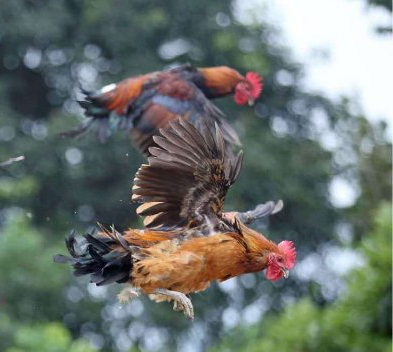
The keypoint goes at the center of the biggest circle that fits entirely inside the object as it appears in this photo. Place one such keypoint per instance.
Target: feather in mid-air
(143, 104)
(188, 241)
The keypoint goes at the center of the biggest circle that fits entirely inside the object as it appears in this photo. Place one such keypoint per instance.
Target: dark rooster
(188, 241)
(143, 104)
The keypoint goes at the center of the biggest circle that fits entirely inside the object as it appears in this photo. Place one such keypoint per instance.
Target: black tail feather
(99, 119)
(99, 244)
(70, 243)
(95, 256)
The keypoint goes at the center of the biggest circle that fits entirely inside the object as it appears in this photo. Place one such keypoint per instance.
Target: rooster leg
(127, 294)
(181, 301)
(260, 211)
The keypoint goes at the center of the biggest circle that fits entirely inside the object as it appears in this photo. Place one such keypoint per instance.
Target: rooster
(143, 104)
(188, 241)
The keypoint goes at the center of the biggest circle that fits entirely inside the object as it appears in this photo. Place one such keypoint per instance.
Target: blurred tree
(387, 5)
(30, 291)
(48, 48)
(51, 337)
(360, 320)
(363, 158)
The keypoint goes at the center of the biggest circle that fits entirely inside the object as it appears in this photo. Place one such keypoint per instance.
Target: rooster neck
(217, 81)
(258, 250)
(256, 242)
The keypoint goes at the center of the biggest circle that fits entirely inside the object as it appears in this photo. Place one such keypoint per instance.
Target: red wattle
(273, 272)
(240, 97)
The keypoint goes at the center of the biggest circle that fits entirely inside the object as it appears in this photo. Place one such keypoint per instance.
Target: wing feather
(187, 177)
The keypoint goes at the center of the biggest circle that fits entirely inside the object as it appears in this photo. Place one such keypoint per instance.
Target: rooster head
(280, 262)
(248, 89)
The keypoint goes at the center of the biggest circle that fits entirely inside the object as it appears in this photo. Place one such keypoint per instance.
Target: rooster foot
(127, 294)
(181, 301)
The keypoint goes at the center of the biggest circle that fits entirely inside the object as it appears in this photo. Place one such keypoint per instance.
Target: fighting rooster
(142, 105)
(188, 241)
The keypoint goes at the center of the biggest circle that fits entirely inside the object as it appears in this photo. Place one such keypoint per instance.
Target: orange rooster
(188, 241)
(142, 105)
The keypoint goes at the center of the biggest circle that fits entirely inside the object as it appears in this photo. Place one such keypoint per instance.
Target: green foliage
(369, 298)
(51, 337)
(369, 164)
(360, 320)
(31, 288)
(26, 261)
(17, 189)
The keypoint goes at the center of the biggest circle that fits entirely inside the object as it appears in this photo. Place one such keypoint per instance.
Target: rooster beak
(250, 101)
(285, 273)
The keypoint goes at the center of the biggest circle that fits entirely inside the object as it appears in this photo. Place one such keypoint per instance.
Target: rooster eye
(279, 259)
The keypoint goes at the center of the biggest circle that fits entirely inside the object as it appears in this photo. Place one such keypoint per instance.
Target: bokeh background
(326, 156)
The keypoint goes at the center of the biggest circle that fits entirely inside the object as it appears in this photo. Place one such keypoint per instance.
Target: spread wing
(144, 104)
(186, 179)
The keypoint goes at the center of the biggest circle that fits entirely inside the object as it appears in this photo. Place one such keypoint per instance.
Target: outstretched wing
(186, 178)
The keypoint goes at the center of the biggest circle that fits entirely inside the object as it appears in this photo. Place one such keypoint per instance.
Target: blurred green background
(338, 297)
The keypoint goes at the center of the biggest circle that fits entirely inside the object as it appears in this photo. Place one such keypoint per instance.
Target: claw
(177, 307)
(184, 304)
(181, 301)
(127, 294)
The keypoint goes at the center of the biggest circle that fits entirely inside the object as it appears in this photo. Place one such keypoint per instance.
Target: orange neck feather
(222, 80)
(256, 242)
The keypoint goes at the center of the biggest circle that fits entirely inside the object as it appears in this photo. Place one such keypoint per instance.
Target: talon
(127, 294)
(181, 302)
(177, 307)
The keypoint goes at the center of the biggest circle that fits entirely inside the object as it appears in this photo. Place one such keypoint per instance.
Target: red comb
(289, 251)
(256, 82)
